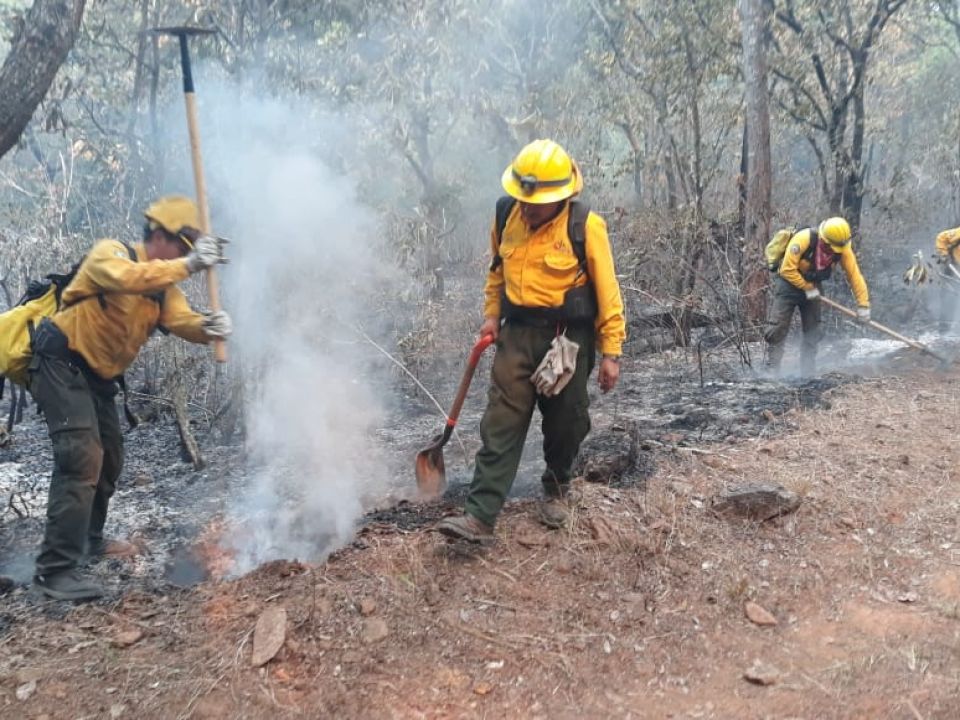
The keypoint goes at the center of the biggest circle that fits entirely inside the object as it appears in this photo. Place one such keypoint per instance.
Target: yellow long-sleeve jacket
(539, 266)
(794, 266)
(945, 240)
(109, 334)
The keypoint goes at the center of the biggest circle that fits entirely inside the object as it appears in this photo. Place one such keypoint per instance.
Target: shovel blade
(430, 470)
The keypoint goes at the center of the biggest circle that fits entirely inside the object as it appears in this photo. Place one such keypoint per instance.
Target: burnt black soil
(163, 503)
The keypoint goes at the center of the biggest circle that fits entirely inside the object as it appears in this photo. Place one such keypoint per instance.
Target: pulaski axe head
(182, 33)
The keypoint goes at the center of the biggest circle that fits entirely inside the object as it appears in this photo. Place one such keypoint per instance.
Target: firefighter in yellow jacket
(538, 288)
(947, 250)
(808, 260)
(119, 296)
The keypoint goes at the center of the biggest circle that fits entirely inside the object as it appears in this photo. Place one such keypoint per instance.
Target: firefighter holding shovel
(551, 297)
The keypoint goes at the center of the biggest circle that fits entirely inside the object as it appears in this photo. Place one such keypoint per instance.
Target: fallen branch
(189, 443)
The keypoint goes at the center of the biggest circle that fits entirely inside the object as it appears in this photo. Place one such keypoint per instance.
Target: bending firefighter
(551, 297)
(119, 296)
(807, 261)
(948, 257)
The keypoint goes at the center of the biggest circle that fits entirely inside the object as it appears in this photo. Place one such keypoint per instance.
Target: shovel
(884, 329)
(431, 474)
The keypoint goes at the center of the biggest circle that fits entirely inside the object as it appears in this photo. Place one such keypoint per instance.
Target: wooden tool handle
(883, 328)
(213, 284)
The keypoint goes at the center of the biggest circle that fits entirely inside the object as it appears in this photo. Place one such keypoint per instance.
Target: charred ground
(637, 611)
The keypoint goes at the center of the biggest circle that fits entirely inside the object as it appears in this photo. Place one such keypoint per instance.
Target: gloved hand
(941, 259)
(863, 314)
(217, 325)
(812, 293)
(207, 252)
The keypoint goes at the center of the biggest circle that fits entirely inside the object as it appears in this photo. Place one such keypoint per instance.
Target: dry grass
(635, 611)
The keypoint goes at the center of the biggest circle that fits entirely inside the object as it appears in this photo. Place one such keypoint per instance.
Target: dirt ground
(637, 611)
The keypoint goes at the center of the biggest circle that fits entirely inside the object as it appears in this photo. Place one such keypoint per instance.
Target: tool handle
(213, 284)
(882, 328)
(482, 344)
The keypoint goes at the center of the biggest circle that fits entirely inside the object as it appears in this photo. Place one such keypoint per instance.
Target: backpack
(42, 299)
(777, 247)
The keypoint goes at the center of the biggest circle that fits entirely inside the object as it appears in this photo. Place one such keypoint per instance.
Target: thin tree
(755, 27)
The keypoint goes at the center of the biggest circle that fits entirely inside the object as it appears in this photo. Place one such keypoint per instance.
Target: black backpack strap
(577, 231)
(504, 208)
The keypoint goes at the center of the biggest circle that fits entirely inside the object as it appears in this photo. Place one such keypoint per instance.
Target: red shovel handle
(482, 344)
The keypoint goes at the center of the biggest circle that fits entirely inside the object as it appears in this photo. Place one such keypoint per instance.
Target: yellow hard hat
(836, 232)
(173, 213)
(542, 173)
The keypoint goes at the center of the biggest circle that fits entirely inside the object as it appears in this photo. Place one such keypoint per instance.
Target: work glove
(863, 314)
(812, 294)
(207, 252)
(557, 367)
(217, 325)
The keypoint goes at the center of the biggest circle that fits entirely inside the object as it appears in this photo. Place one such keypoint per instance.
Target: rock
(268, 635)
(25, 691)
(761, 673)
(6, 584)
(759, 615)
(757, 502)
(374, 630)
(614, 457)
(367, 606)
(142, 479)
(117, 711)
(482, 688)
(126, 638)
(768, 416)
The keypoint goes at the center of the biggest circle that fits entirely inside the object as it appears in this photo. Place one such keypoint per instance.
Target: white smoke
(303, 272)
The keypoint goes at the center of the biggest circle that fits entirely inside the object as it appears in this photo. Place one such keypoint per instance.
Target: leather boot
(67, 585)
(466, 527)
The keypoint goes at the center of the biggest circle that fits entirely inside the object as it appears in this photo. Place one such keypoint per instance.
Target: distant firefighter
(808, 257)
(947, 251)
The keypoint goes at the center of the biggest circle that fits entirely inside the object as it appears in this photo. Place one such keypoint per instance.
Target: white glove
(217, 325)
(863, 314)
(557, 367)
(207, 252)
(812, 294)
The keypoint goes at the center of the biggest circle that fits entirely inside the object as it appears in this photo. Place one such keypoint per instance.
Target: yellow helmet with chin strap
(835, 232)
(174, 213)
(541, 173)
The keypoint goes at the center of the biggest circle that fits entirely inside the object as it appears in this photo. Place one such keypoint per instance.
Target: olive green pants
(87, 442)
(785, 298)
(512, 397)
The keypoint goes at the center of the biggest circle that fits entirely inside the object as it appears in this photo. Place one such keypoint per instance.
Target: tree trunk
(754, 24)
(36, 54)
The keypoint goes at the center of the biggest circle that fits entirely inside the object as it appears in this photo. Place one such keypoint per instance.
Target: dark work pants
(84, 428)
(512, 397)
(785, 298)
